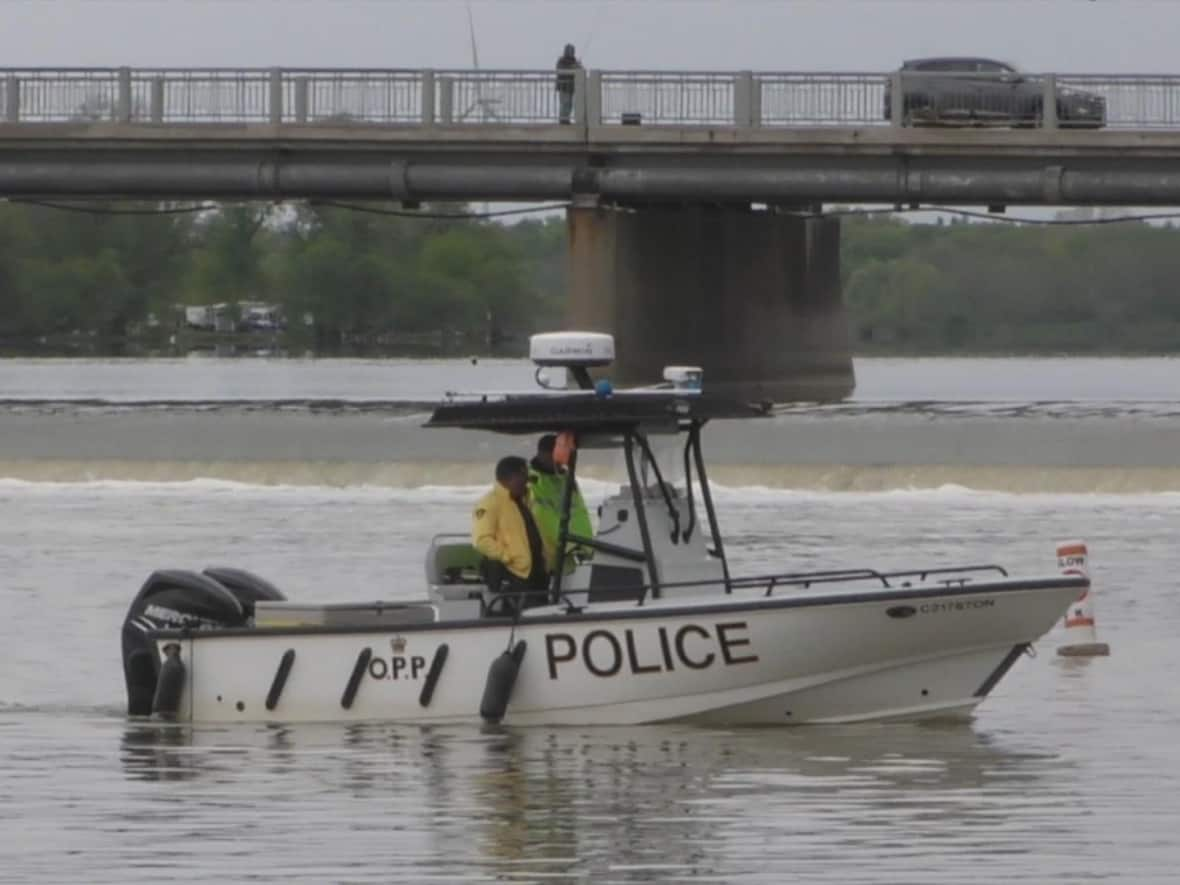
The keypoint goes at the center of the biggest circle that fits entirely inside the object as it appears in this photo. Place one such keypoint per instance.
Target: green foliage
(226, 263)
(63, 271)
(998, 288)
(364, 276)
(468, 275)
(342, 291)
(342, 277)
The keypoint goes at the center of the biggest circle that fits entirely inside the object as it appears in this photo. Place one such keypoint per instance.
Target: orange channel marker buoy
(1080, 634)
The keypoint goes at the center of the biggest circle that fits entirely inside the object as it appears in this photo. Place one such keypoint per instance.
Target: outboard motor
(175, 599)
(247, 587)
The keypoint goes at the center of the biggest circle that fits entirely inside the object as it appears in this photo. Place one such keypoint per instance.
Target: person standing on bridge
(567, 64)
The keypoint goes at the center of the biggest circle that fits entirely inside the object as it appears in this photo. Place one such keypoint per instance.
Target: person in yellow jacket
(504, 531)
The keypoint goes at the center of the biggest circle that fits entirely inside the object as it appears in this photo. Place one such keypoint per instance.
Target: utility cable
(552, 207)
(1008, 219)
(211, 207)
(413, 213)
(107, 210)
(1116, 219)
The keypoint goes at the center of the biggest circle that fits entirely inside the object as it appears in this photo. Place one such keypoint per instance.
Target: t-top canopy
(584, 411)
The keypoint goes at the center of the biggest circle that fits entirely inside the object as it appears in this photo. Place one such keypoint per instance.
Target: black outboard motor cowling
(175, 599)
(247, 587)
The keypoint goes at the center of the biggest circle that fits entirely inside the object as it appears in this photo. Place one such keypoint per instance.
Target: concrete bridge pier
(752, 297)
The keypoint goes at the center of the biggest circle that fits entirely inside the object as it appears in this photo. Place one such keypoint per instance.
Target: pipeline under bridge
(621, 164)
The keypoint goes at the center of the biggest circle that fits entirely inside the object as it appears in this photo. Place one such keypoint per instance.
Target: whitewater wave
(439, 480)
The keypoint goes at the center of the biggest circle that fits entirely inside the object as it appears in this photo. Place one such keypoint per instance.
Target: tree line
(1004, 288)
(347, 278)
(343, 278)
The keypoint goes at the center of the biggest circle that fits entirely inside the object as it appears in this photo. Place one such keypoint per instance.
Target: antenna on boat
(575, 352)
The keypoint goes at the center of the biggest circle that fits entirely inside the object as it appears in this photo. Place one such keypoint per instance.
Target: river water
(319, 476)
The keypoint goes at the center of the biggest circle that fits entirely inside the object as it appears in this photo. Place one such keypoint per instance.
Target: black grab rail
(804, 580)
(947, 570)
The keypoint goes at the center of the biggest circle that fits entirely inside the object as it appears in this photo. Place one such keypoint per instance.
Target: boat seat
(613, 583)
(451, 559)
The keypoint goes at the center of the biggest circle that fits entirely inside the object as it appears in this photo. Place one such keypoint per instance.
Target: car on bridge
(968, 91)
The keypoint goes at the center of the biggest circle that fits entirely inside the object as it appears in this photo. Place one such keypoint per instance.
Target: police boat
(646, 623)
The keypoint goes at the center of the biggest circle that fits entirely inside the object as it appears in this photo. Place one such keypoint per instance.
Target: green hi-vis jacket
(545, 494)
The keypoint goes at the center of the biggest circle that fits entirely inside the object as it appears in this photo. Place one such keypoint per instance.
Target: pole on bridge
(581, 104)
(743, 100)
(896, 100)
(1049, 102)
(594, 98)
(428, 98)
(156, 100)
(123, 96)
(12, 99)
(275, 97)
(302, 93)
(446, 99)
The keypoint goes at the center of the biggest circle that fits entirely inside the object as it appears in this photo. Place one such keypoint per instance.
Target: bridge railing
(742, 99)
(1132, 101)
(41, 95)
(352, 96)
(698, 98)
(201, 96)
(820, 99)
(495, 97)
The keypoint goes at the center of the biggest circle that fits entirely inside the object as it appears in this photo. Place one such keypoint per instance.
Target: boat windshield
(663, 456)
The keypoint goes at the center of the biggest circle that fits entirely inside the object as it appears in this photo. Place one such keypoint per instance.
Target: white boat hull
(931, 651)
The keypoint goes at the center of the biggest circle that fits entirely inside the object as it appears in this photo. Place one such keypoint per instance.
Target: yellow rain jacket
(498, 532)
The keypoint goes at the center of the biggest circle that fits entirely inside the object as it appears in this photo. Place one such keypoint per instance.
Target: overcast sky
(1101, 36)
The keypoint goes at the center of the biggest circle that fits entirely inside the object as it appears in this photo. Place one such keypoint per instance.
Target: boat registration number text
(654, 650)
(959, 605)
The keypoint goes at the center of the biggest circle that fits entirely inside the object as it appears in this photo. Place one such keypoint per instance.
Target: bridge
(685, 239)
(641, 136)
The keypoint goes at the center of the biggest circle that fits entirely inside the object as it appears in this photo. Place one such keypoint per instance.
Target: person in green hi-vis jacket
(546, 488)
